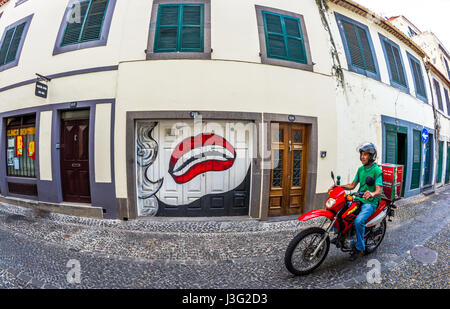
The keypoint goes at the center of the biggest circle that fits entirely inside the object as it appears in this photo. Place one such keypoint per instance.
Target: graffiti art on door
(180, 173)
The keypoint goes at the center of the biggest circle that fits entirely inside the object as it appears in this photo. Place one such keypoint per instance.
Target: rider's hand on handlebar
(368, 195)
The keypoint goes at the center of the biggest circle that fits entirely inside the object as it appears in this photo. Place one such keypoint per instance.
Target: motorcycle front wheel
(299, 259)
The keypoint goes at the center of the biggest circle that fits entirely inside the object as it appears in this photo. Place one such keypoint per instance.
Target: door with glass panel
(289, 166)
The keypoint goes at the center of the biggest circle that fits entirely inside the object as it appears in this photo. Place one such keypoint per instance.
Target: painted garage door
(187, 169)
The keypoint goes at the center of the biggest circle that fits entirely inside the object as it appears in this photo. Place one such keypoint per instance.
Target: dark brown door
(288, 175)
(75, 160)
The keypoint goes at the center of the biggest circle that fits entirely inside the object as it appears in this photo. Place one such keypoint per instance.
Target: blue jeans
(360, 225)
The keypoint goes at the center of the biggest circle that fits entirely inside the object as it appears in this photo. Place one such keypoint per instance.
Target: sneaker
(356, 255)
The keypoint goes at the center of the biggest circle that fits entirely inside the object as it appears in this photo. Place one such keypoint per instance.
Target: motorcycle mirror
(370, 181)
(332, 176)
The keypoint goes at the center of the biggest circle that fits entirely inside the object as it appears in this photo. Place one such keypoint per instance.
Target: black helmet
(371, 149)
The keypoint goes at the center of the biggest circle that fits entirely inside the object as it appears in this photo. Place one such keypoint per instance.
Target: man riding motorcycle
(372, 194)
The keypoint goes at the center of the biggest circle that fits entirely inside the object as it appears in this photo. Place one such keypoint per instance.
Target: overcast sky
(431, 15)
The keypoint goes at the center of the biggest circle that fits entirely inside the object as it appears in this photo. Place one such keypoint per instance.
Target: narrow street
(42, 252)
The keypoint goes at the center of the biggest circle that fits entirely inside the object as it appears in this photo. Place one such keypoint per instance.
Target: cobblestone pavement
(35, 250)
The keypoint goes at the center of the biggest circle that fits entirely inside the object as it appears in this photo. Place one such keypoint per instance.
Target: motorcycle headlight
(330, 202)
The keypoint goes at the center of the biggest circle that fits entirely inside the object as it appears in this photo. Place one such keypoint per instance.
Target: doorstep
(70, 209)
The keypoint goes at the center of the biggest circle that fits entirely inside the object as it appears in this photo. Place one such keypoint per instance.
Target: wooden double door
(289, 169)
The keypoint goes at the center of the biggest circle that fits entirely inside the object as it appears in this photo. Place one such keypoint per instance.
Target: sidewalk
(204, 225)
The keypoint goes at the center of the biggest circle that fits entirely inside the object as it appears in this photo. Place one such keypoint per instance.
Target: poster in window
(11, 143)
(19, 146)
(31, 150)
(10, 157)
(16, 163)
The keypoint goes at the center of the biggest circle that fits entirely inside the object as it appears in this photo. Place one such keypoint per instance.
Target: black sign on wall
(41, 90)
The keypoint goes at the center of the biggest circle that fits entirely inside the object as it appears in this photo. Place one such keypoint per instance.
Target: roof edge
(383, 23)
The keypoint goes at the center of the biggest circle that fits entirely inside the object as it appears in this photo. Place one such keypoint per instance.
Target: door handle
(75, 137)
(76, 165)
(290, 146)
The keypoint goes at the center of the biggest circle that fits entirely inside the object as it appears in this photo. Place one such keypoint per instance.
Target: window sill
(178, 55)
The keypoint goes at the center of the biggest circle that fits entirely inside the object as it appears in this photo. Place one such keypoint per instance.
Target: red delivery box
(392, 181)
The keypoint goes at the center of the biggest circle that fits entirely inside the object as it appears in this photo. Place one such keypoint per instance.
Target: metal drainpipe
(437, 127)
(336, 62)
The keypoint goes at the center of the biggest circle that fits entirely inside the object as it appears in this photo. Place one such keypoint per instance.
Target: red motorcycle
(308, 249)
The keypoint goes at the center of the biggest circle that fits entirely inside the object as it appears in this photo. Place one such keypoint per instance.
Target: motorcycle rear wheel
(298, 258)
(375, 237)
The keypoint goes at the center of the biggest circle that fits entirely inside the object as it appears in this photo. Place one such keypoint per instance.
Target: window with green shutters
(419, 83)
(358, 47)
(180, 28)
(10, 44)
(447, 170)
(440, 161)
(12, 41)
(416, 161)
(394, 64)
(284, 38)
(85, 22)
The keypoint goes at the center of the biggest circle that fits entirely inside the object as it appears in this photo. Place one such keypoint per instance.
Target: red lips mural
(202, 153)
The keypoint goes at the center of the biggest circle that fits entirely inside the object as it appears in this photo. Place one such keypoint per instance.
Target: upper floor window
(283, 38)
(447, 67)
(417, 74)
(180, 29)
(12, 43)
(394, 63)
(358, 47)
(447, 100)
(85, 24)
(437, 89)
(411, 32)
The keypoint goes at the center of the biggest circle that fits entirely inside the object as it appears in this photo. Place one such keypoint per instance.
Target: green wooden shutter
(15, 43)
(416, 162)
(5, 45)
(353, 45)
(391, 144)
(192, 28)
(294, 39)
(73, 28)
(447, 170)
(366, 51)
(437, 89)
(398, 63)
(275, 39)
(167, 34)
(440, 159)
(447, 100)
(418, 77)
(427, 172)
(93, 26)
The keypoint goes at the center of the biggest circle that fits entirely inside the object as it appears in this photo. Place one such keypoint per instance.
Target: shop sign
(41, 90)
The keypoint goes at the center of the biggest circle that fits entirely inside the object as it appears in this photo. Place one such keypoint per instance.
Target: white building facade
(205, 107)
